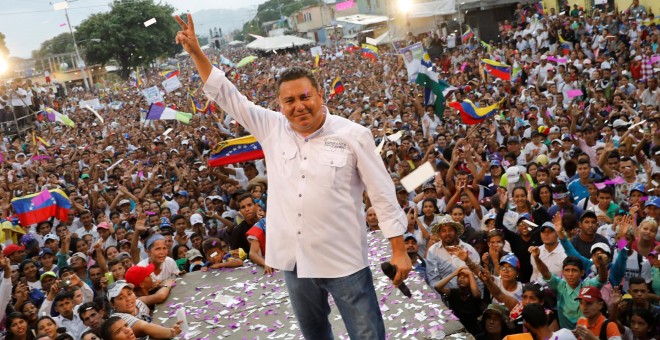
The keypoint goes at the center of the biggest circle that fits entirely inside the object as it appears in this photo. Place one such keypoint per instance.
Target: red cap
(12, 248)
(589, 294)
(103, 225)
(136, 274)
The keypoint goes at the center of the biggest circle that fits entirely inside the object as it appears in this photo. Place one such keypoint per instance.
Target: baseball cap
(182, 193)
(555, 129)
(78, 255)
(122, 202)
(49, 237)
(45, 251)
(588, 213)
(638, 187)
(513, 139)
(11, 249)
(513, 174)
(196, 218)
(589, 294)
(46, 274)
(193, 254)
(116, 288)
(103, 225)
(123, 255)
(136, 274)
(495, 162)
(407, 236)
(400, 188)
(511, 260)
(202, 168)
(566, 136)
(558, 141)
(619, 123)
(653, 200)
(548, 225)
(428, 186)
(602, 246)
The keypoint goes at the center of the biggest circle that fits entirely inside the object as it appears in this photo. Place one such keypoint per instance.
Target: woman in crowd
(17, 327)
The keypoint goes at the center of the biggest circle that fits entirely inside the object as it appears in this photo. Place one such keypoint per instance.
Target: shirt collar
(326, 113)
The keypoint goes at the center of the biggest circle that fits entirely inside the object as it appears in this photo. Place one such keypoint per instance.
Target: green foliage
(61, 43)
(3, 45)
(124, 37)
(270, 10)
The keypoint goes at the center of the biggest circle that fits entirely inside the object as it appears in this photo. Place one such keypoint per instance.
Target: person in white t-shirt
(156, 249)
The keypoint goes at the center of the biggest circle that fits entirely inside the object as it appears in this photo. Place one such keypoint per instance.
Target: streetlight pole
(81, 63)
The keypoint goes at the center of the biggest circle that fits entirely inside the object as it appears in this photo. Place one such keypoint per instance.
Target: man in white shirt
(67, 313)
(552, 253)
(320, 165)
(441, 260)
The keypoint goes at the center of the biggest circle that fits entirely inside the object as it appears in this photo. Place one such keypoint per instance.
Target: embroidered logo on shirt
(334, 144)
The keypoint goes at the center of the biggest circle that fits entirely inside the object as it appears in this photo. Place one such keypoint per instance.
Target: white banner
(171, 84)
(93, 103)
(152, 95)
(316, 50)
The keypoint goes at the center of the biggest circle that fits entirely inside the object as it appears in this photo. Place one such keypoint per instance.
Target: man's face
(180, 225)
(95, 275)
(447, 235)
(86, 220)
(65, 307)
(588, 226)
(639, 292)
(411, 246)
(92, 318)
(409, 56)
(572, 275)
(626, 168)
(372, 219)
(247, 208)
(590, 309)
(118, 271)
(549, 236)
(583, 171)
(604, 199)
(301, 104)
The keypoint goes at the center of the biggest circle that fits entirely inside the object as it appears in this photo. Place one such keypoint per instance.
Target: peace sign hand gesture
(186, 37)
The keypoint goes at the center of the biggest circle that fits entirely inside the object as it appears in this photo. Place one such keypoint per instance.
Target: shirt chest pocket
(286, 162)
(330, 168)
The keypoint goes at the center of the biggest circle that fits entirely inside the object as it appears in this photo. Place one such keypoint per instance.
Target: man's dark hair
(86, 307)
(113, 262)
(63, 296)
(244, 196)
(176, 218)
(106, 332)
(572, 261)
(637, 280)
(534, 315)
(295, 73)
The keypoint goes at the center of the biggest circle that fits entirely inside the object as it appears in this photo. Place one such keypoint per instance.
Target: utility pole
(81, 63)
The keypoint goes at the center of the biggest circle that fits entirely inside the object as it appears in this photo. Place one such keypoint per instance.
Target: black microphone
(390, 271)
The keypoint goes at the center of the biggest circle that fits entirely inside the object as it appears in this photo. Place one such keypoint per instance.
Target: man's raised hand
(186, 37)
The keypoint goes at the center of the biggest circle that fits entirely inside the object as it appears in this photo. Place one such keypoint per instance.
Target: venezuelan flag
(473, 115)
(467, 35)
(565, 46)
(170, 74)
(497, 69)
(236, 150)
(369, 55)
(30, 210)
(370, 47)
(259, 231)
(352, 46)
(337, 86)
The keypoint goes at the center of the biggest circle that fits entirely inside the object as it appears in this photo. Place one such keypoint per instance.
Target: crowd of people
(542, 219)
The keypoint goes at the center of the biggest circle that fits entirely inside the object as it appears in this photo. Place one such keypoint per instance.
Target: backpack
(603, 330)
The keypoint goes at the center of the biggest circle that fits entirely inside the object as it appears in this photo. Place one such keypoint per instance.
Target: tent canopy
(385, 38)
(279, 42)
(235, 43)
(429, 9)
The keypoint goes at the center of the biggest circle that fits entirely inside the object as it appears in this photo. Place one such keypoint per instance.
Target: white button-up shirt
(315, 218)
(440, 263)
(553, 260)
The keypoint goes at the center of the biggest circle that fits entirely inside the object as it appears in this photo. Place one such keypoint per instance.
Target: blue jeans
(354, 295)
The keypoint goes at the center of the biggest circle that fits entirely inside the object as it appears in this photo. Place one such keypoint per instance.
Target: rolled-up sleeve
(256, 119)
(380, 188)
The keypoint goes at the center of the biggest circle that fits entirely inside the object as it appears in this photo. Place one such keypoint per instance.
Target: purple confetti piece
(622, 243)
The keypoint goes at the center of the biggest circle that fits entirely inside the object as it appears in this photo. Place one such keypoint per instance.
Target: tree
(3, 45)
(61, 43)
(125, 39)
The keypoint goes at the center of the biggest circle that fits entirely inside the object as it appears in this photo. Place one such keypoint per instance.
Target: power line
(51, 10)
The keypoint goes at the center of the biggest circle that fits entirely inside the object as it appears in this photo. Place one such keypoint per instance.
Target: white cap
(202, 168)
(50, 236)
(122, 202)
(196, 218)
(78, 254)
(619, 122)
(513, 174)
(602, 246)
(229, 214)
(117, 287)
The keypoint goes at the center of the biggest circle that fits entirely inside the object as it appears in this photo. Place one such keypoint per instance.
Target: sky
(28, 23)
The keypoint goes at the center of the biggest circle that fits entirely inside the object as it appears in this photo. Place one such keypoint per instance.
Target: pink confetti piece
(38, 158)
(574, 93)
(463, 66)
(622, 243)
